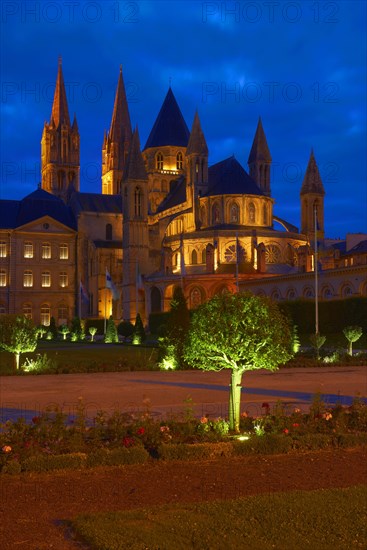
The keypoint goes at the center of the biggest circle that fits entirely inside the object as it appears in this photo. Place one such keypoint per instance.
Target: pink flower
(164, 429)
(128, 441)
(286, 431)
(140, 431)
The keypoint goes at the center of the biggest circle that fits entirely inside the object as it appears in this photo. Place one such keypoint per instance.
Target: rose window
(272, 254)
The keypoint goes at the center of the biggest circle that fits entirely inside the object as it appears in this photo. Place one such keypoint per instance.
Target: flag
(182, 258)
(139, 280)
(111, 285)
(83, 293)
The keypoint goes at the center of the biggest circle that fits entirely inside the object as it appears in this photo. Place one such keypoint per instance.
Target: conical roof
(259, 150)
(120, 129)
(60, 111)
(135, 167)
(197, 143)
(170, 127)
(312, 181)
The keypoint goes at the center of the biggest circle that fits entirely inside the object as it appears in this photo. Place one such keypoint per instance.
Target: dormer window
(159, 161)
(179, 161)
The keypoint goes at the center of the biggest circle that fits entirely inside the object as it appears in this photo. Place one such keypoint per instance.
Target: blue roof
(170, 127)
(96, 202)
(229, 178)
(34, 206)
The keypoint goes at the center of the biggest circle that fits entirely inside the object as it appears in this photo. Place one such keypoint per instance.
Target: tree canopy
(241, 332)
(17, 335)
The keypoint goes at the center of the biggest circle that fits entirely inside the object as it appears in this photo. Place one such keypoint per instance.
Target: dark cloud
(301, 66)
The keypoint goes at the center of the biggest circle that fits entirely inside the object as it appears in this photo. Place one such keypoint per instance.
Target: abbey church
(164, 218)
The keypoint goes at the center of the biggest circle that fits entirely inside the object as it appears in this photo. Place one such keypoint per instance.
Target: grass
(323, 519)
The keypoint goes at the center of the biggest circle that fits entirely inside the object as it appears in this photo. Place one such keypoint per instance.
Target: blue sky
(301, 66)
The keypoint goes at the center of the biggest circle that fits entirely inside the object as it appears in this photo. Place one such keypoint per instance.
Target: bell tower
(312, 201)
(60, 146)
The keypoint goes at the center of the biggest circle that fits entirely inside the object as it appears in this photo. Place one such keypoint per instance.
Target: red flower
(128, 441)
(286, 431)
(140, 431)
(36, 419)
(295, 425)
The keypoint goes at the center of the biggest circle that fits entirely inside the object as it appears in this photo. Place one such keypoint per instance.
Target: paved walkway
(172, 392)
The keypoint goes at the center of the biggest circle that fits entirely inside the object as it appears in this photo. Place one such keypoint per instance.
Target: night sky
(301, 66)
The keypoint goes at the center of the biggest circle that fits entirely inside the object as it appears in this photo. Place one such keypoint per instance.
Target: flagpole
(136, 288)
(105, 304)
(316, 279)
(80, 299)
(237, 246)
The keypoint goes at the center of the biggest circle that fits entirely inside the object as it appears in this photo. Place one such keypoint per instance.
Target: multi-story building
(164, 217)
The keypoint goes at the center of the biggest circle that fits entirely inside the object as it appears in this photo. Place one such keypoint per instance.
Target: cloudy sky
(299, 65)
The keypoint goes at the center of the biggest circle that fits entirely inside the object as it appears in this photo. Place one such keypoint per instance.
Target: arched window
(27, 311)
(251, 213)
(347, 291)
(159, 161)
(63, 279)
(215, 214)
(203, 256)
(62, 313)
(2, 277)
(155, 300)
(46, 251)
(28, 278)
(137, 202)
(45, 315)
(46, 279)
(234, 213)
(195, 298)
(108, 232)
(203, 215)
(179, 161)
(194, 257)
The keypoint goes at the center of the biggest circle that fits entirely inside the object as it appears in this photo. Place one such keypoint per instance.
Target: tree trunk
(350, 347)
(235, 400)
(17, 356)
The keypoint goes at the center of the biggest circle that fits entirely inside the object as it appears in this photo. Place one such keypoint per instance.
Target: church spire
(197, 143)
(120, 129)
(135, 167)
(312, 200)
(116, 143)
(259, 160)
(60, 111)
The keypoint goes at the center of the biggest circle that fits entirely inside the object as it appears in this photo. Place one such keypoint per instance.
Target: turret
(259, 161)
(312, 201)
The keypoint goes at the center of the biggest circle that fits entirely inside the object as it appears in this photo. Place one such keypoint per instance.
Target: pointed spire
(170, 127)
(312, 181)
(120, 130)
(135, 167)
(259, 149)
(75, 124)
(60, 111)
(197, 143)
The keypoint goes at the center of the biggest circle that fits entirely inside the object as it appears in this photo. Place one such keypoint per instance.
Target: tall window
(137, 201)
(46, 251)
(3, 249)
(2, 277)
(63, 279)
(159, 161)
(45, 315)
(27, 311)
(46, 278)
(64, 252)
(179, 161)
(28, 249)
(28, 278)
(194, 257)
(234, 213)
(62, 313)
(108, 232)
(216, 214)
(251, 213)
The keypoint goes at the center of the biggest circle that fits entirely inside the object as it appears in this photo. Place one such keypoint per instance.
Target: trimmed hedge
(194, 451)
(46, 463)
(117, 457)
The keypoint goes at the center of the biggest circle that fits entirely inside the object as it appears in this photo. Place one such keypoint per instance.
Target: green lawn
(333, 519)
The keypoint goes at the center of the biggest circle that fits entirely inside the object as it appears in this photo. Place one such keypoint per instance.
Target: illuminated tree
(172, 343)
(139, 335)
(17, 335)
(92, 331)
(240, 332)
(352, 334)
(111, 336)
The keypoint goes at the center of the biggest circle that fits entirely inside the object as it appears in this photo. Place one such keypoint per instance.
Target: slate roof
(312, 181)
(170, 127)
(96, 202)
(358, 248)
(176, 196)
(34, 206)
(135, 167)
(229, 178)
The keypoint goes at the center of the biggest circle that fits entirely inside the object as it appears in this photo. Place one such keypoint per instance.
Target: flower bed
(51, 441)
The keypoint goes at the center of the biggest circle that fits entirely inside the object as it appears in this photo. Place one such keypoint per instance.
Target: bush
(117, 457)
(125, 329)
(111, 336)
(194, 451)
(46, 463)
(13, 467)
(265, 444)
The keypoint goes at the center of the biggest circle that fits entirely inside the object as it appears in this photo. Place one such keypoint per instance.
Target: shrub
(266, 444)
(46, 463)
(139, 335)
(116, 457)
(196, 451)
(111, 336)
(41, 363)
(12, 467)
(125, 329)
